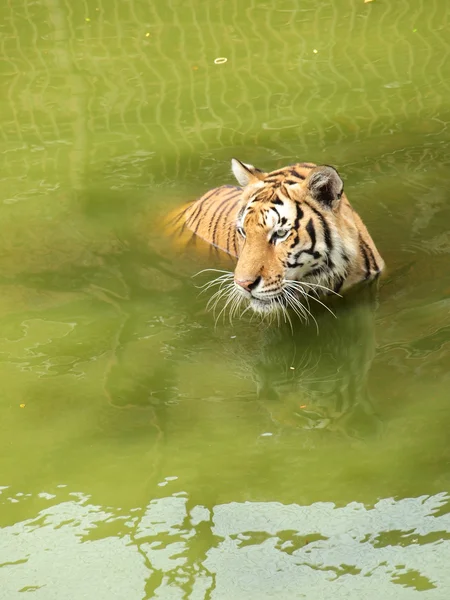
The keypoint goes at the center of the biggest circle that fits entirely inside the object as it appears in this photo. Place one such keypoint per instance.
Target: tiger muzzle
(248, 284)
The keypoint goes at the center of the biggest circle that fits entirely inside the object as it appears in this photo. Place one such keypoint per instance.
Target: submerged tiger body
(291, 230)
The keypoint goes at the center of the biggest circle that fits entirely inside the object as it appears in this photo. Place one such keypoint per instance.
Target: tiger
(292, 232)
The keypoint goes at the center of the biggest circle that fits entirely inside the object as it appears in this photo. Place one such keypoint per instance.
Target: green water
(145, 453)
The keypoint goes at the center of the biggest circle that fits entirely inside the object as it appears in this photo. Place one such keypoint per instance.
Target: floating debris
(220, 61)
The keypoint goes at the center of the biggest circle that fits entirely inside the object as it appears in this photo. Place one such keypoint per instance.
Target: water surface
(145, 453)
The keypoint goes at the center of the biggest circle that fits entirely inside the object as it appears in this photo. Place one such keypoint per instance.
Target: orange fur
(310, 199)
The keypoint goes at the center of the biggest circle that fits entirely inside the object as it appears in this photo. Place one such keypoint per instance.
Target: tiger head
(292, 229)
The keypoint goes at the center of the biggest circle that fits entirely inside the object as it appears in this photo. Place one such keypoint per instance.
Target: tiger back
(211, 220)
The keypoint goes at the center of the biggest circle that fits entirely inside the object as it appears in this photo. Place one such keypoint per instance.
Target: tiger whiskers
(212, 270)
(299, 287)
(293, 297)
(303, 312)
(281, 308)
(220, 281)
(226, 292)
(312, 285)
(236, 305)
(226, 276)
(293, 289)
(234, 298)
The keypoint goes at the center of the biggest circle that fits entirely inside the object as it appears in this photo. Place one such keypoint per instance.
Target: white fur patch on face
(261, 307)
(271, 219)
(282, 216)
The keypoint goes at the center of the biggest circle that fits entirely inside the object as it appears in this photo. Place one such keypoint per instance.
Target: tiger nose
(249, 284)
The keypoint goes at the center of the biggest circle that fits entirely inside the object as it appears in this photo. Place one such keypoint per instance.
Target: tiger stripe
(223, 206)
(367, 265)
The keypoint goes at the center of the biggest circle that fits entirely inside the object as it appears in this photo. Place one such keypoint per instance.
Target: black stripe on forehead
(268, 200)
(325, 227)
(264, 196)
(282, 175)
(293, 171)
(312, 234)
(267, 212)
(264, 215)
(298, 217)
(273, 209)
(291, 181)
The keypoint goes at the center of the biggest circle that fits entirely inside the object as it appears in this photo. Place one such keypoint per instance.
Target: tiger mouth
(264, 306)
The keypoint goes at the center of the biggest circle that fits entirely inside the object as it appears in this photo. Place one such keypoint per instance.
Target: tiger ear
(325, 186)
(244, 173)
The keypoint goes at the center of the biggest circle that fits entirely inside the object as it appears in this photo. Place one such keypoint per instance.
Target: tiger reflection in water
(301, 380)
(308, 381)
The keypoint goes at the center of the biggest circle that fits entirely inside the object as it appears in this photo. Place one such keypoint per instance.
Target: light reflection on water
(253, 550)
